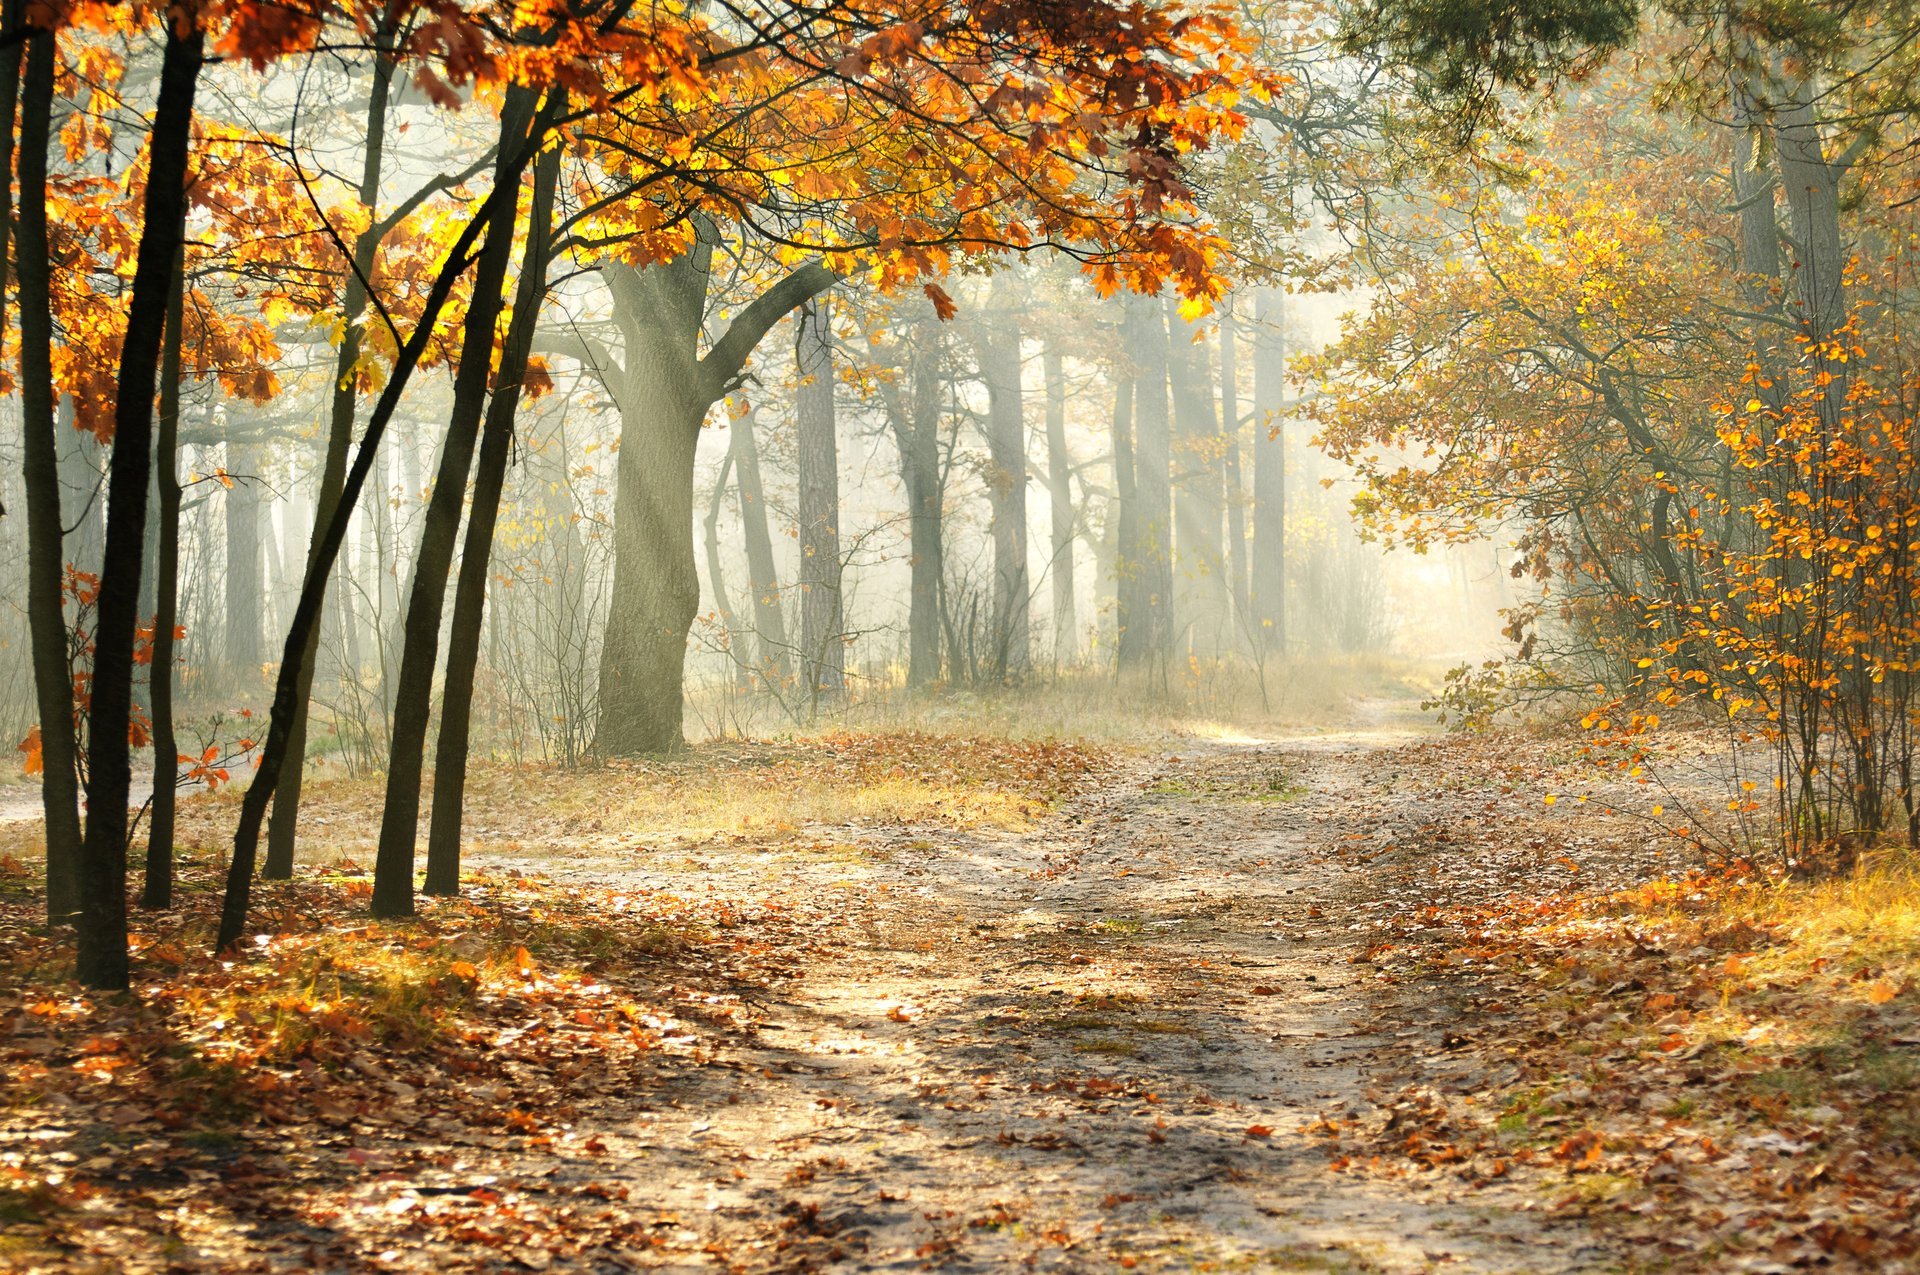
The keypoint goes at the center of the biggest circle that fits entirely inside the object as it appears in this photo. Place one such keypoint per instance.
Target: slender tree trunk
(470, 593)
(413, 699)
(1200, 576)
(822, 649)
(306, 612)
(245, 594)
(46, 599)
(1129, 608)
(999, 353)
(769, 622)
(1268, 584)
(283, 832)
(103, 904)
(1146, 639)
(926, 501)
(1066, 628)
(717, 579)
(157, 889)
(1236, 489)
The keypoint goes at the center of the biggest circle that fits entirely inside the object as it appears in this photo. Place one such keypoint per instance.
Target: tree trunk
(245, 595)
(769, 622)
(306, 612)
(1236, 489)
(823, 650)
(664, 390)
(426, 606)
(926, 502)
(283, 832)
(1267, 586)
(999, 353)
(103, 904)
(1200, 589)
(470, 593)
(1146, 638)
(157, 889)
(46, 596)
(717, 578)
(1066, 628)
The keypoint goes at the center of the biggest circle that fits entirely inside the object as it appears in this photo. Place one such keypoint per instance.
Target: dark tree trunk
(157, 889)
(999, 353)
(470, 593)
(1066, 628)
(46, 605)
(306, 611)
(664, 389)
(1146, 638)
(1268, 584)
(1200, 588)
(769, 622)
(103, 903)
(1236, 490)
(283, 832)
(822, 647)
(426, 606)
(245, 593)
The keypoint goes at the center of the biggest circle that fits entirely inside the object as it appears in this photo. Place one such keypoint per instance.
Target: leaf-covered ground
(881, 1002)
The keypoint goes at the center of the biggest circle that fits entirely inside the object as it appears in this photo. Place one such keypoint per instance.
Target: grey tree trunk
(1230, 422)
(823, 649)
(1129, 546)
(664, 389)
(763, 577)
(1066, 626)
(1200, 592)
(999, 354)
(1267, 584)
(245, 596)
(1146, 641)
(926, 508)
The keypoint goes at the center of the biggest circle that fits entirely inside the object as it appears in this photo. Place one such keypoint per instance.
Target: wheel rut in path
(1102, 1044)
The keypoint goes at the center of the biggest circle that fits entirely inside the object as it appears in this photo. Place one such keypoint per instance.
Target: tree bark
(157, 889)
(102, 959)
(769, 622)
(426, 606)
(664, 389)
(283, 832)
(1066, 628)
(926, 507)
(822, 647)
(1146, 639)
(999, 353)
(306, 612)
(245, 594)
(1236, 489)
(1267, 586)
(46, 575)
(1200, 588)
(470, 593)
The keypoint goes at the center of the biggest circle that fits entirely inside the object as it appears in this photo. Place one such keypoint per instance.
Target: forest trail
(1110, 1041)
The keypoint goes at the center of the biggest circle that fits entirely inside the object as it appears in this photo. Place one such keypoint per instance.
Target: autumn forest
(1074, 635)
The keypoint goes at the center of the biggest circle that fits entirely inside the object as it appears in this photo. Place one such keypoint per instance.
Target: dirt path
(1108, 1044)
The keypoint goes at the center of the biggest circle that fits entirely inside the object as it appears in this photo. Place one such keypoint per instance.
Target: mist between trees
(399, 389)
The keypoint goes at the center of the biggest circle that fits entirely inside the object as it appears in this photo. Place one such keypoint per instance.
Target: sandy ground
(1106, 1044)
